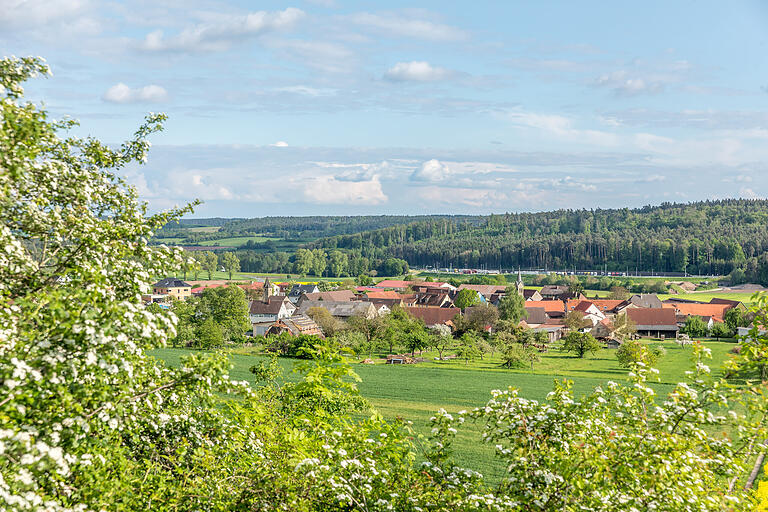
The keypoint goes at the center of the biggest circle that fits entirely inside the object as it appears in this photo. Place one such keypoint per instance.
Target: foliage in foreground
(89, 422)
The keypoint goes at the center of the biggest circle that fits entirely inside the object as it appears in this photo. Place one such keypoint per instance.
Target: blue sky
(337, 107)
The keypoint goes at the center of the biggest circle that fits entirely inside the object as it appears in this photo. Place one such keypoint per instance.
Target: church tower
(520, 285)
(267, 289)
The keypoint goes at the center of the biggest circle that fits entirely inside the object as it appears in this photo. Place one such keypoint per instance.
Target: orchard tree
(695, 327)
(632, 352)
(467, 347)
(721, 330)
(580, 343)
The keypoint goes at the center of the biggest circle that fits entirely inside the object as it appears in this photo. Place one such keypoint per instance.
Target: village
(549, 312)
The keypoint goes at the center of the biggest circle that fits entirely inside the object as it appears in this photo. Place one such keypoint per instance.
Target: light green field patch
(236, 241)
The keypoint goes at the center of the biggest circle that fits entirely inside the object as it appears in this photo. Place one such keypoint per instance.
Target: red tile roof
(433, 315)
(550, 306)
(383, 294)
(652, 316)
(715, 310)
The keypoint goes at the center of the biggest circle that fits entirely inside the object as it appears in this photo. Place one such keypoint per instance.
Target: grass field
(415, 392)
(706, 296)
(235, 241)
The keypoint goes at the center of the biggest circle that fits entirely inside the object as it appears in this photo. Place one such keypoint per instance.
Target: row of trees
(318, 262)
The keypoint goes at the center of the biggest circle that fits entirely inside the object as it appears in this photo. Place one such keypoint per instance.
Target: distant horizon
(439, 214)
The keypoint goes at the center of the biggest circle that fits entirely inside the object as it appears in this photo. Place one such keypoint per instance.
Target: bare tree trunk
(756, 468)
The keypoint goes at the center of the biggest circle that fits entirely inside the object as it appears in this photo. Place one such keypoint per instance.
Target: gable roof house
(645, 300)
(654, 321)
(172, 287)
(553, 308)
(558, 292)
(710, 313)
(532, 294)
(589, 311)
(439, 299)
(299, 289)
(432, 315)
(333, 296)
(263, 313)
(341, 309)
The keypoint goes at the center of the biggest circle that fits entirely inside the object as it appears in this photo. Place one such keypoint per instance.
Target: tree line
(711, 237)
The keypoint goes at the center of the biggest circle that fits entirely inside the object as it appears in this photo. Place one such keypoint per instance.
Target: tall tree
(466, 298)
(230, 262)
(580, 343)
(512, 305)
(210, 263)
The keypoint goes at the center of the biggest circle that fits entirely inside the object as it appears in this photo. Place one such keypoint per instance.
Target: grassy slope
(415, 392)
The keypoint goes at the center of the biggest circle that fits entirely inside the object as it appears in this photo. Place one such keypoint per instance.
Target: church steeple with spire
(267, 289)
(520, 285)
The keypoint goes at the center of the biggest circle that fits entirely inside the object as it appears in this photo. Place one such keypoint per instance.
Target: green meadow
(415, 392)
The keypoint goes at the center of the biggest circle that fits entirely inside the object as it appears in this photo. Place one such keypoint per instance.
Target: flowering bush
(88, 421)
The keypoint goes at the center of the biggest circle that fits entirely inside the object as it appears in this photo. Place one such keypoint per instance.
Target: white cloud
(431, 170)
(330, 190)
(280, 144)
(748, 193)
(490, 199)
(325, 56)
(218, 33)
(624, 84)
(562, 127)
(121, 93)
(408, 26)
(416, 71)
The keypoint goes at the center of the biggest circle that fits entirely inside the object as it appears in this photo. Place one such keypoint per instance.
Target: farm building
(656, 322)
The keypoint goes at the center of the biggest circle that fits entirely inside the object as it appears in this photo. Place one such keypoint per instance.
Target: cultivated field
(415, 392)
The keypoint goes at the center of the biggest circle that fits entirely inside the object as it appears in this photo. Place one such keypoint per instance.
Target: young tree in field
(209, 262)
(467, 347)
(721, 330)
(516, 355)
(580, 343)
(373, 329)
(575, 321)
(512, 306)
(466, 298)
(632, 352)
(441, 339)
(695, 327)
(230, 262)
(209, 334)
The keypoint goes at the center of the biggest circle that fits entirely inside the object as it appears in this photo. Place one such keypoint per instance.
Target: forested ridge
(711, 237)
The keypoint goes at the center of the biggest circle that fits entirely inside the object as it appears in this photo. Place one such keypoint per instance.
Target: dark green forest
(712, 237)
(703, 238)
